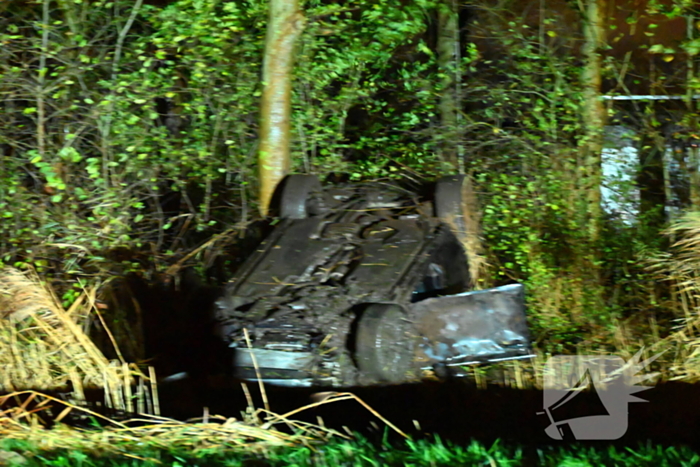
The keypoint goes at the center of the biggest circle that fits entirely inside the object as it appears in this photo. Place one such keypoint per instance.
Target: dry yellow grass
(24, 414)
(681, 268)
(43, 346)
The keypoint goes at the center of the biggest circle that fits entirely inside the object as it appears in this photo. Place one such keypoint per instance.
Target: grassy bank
(356, 453)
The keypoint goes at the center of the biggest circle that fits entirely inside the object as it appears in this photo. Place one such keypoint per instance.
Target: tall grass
(680, 268)
(44, 346)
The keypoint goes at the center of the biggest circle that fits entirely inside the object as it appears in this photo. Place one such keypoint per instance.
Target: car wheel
(384, 344)
(302, 197)
(449, 205)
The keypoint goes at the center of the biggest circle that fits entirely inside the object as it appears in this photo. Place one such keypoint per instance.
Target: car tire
(385, 344)
(449, 204)
(302, 197)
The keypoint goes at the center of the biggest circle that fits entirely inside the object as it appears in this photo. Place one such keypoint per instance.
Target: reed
(44, 346)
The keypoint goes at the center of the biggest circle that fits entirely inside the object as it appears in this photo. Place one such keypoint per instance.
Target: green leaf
(692, 46)
(70, 154)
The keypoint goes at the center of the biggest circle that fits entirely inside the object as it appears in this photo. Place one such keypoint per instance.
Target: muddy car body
(365, 284)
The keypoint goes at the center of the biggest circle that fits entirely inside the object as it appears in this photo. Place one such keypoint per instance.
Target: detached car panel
(361, 285)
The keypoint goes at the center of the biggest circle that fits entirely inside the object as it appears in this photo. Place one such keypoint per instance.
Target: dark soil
(456, 410)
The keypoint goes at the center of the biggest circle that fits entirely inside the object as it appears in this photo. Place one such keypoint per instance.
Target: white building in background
(619, 192)
(620, 165)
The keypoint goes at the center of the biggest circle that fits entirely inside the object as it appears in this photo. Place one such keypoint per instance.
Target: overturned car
(366, 284)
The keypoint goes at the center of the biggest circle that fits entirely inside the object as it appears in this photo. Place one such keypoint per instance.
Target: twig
(115, 68)
(65, 404)
(335, 397)
(93, 306)
(175, 267)
(257, 370)
(122, 36)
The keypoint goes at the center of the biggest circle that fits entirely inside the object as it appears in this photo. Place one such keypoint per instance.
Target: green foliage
(142, 107)
(133, 112)
(139, 135)
(524, 137)
(348, 63)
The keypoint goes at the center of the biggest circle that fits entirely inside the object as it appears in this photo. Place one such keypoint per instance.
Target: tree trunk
(594, 113)
(284, 27)
(448, 62)
(586, 264)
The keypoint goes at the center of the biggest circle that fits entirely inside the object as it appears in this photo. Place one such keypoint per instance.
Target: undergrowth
(361, 452)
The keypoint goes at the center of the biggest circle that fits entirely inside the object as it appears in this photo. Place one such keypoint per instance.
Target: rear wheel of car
(385, 344)
(450, 206)
(302, 197)
(456, 206)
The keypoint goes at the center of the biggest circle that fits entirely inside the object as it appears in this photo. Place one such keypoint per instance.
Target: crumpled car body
(364, 285)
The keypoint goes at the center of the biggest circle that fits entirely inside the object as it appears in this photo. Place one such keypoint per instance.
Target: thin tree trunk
(448, 61)
(41, 81)
(594, 113)
(284, 27)
(589, 172)
(107, 125)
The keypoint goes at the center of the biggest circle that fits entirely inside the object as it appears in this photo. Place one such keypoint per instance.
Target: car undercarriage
(366, 284)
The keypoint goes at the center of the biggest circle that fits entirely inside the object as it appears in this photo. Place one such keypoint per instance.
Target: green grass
(364, 453)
